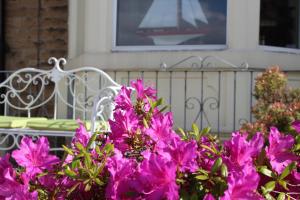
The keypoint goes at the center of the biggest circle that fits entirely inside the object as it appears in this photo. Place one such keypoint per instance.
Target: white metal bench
(86, 93)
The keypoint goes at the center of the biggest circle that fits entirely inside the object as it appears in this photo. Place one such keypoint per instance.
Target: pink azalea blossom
(296, 125)
(279, 150)
(81, 135)
(34, 156)
(294, 180)
(161, 129)
(183, 153)
(157, 179)
(243, 185)
(143, 93)
(209, 197)
(240, 151)
(10, 189)
(4, 164)
(123, 126)
(123, 100)
(120, 170)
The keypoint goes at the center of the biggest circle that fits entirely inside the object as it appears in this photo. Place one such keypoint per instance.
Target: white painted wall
(91, 43)
(91, 36)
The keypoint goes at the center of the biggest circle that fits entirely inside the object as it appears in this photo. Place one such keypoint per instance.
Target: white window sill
(280, 49)
(169, 48)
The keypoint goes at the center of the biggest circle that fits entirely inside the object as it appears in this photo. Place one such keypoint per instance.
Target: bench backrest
(82, 93)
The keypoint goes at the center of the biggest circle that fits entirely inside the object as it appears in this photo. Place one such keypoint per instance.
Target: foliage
(277, 104)
(143, 158)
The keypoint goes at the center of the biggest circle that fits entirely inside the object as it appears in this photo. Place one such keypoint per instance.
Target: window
(279, 23)
(171, 22)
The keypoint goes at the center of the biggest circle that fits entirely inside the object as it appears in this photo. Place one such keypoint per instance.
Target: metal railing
(208, 91)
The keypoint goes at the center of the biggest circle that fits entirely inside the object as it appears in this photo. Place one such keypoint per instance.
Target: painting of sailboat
(172, 22)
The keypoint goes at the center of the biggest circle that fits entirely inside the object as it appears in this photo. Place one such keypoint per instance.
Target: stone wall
(34, 31)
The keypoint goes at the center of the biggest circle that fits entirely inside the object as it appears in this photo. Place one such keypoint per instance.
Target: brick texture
(34, 31)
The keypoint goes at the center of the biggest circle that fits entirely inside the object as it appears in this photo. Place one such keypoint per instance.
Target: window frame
(278, 49)
(206, 47)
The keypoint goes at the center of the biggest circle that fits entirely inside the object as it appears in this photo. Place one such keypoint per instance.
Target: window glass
(171, 22)
(279, 23)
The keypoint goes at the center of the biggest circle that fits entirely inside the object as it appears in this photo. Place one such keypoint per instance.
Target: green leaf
(205, 131)
(73, 188)
(180, 181)
(75, 164)
(92, 140)
(80, 147)
(287, 170)
(163, 109)
(265, 171)
(296, 147)
(182, 133)
(109, 148)
(202, 177)
(281, 196)
(203, 171)
(70, 173)
(224, 170)
(145, 123)
(42, 174)
(87, 160)
(283, 184)
(68, 150)
(269, 187)
(99, 182)
(195, 128)
(208, 148)
(196, 132)
(157, 103)
(216, 166)
(298, 139)
(98, 151)
(87, 187)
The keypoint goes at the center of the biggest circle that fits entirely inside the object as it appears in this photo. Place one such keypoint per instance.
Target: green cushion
(18, 122)
(59, 124)
(41, 123)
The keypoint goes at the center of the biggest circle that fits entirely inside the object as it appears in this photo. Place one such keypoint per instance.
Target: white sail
(161, 14)
(192, 10)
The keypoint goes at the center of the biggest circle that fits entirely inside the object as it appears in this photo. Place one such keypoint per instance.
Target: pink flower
(123, 100)
(10, 189)
(240, 151)
(243, 185)
(122, 127)
(279, 150)
(34, 156)
(157, 179)
(183, 154)
(81, 135)
(121, 170)
(4, 164)
(161, 129)
(209, 197)
(296, 125)
(143, 93)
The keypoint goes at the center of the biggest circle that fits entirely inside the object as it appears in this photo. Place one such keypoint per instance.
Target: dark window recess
(279, 23)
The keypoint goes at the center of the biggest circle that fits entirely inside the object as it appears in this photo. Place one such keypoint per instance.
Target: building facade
(235, 30)
(133, 39)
